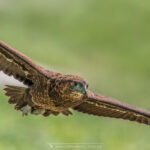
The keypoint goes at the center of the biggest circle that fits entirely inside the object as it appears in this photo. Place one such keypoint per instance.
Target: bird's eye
(79, 87)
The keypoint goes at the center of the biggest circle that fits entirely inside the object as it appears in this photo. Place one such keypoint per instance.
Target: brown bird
(53, 93)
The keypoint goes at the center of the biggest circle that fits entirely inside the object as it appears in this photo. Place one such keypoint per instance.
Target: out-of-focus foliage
(107, 42)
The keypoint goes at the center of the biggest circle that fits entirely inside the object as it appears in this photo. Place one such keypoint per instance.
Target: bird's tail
(17, 95)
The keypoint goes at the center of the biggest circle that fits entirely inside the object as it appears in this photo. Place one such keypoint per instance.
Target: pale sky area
(7, 80)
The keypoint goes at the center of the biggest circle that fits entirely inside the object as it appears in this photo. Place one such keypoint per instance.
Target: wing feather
(20, 66)
(100, 105)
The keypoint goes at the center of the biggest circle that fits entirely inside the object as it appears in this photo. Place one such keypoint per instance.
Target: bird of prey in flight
(49, 92)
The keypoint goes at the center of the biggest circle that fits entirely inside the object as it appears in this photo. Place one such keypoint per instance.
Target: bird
(52, 93)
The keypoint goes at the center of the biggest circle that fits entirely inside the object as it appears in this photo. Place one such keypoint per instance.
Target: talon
(38, 112)
(25, 110)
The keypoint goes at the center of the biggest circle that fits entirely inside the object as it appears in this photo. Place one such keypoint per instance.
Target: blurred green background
(107, 42)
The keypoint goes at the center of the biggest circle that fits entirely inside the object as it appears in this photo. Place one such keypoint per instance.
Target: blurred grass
(107, 42)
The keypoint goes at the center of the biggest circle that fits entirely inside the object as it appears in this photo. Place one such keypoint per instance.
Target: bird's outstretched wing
(18, 65)
(100, 105)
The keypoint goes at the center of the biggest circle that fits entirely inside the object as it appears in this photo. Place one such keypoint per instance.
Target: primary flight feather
(53, 93)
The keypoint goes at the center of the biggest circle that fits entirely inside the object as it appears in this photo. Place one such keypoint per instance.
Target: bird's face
(72, 88)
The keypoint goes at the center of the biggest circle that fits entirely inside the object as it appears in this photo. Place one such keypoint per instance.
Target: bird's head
(71, 87)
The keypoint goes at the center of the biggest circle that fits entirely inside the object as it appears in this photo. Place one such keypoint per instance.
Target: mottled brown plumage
(49, 92)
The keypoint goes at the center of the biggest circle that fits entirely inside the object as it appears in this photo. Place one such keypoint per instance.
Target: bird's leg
(37, 111)
(25, 110)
